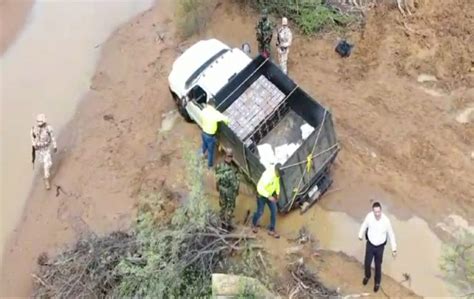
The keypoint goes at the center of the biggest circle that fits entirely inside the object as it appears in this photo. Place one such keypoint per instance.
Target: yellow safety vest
(269, 183)
(210, 118)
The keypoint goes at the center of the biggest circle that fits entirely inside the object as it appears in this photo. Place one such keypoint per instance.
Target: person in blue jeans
(208, 147)
(268, 189)
(210, 121)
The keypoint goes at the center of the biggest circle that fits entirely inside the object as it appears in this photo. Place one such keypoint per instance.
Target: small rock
(466, 116)
(374, 155)
(108, 117)
(426, 78)
(472, 155)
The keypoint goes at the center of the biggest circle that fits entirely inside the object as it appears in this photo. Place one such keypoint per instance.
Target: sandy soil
(111, 149)
(13, 15)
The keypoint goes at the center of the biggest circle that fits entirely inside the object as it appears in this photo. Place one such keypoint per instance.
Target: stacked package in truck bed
(249, 110)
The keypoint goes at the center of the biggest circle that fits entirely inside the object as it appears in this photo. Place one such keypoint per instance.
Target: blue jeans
(208, 145)
(261, 201)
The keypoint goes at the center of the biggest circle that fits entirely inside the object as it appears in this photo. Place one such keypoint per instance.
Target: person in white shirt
(376, 227)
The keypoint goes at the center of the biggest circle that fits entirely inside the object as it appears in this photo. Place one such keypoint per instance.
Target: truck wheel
(181, 109)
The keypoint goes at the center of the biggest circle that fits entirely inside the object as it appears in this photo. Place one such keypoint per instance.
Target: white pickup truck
(272, 120)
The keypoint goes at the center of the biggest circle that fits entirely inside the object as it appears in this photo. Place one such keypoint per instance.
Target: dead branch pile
(86, 270)
(305, 284)
(207, 248)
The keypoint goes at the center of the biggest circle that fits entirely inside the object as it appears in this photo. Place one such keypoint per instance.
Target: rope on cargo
(313, 157)
(309, 160)
(240, 85)
(329, 158)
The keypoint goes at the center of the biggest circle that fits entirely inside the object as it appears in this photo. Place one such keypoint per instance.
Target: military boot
(46, 183)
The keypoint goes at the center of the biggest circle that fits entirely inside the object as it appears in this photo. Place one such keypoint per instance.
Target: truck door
(197, 98)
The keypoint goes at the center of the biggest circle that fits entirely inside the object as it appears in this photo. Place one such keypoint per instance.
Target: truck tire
(180, 105)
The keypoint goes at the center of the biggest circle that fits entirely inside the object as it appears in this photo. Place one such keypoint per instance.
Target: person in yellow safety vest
(210, 121)
(268, 189)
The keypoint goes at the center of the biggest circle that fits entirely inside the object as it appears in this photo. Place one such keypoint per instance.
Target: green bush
(165, 265)
(458, 262)
(311, 16)
(193, 16)
(177, 260)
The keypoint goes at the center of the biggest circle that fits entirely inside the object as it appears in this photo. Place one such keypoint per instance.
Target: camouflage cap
(41, 118)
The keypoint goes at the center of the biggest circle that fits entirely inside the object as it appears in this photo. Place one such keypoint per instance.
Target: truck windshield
(203, 67)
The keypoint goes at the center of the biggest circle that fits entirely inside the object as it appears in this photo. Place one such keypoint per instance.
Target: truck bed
(302, 182)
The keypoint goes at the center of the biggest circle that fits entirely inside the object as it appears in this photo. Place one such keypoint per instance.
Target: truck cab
(200, 72)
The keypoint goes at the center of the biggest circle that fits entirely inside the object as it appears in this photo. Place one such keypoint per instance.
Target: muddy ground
(396, 133)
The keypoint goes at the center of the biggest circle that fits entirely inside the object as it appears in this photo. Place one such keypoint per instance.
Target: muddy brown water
(419, 249)
(47, 70)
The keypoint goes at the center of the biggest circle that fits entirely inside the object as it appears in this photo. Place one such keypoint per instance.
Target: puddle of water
(47, 70)
(168, 121)
(419, 249)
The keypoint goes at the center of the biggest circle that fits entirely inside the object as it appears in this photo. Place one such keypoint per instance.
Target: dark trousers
(374, 253)
(261, 201)
(208, 146)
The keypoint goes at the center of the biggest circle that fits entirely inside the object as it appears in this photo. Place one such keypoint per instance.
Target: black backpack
(344, 49)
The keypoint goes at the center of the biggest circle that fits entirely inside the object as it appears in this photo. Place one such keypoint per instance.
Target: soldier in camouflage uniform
(41, 139)
(227, 183)
(284, 40)
(264, 34)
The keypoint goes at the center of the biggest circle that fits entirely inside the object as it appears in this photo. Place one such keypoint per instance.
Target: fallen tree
(85, 270)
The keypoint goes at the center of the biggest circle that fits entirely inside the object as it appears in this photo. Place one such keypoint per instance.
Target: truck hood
(215, 75)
